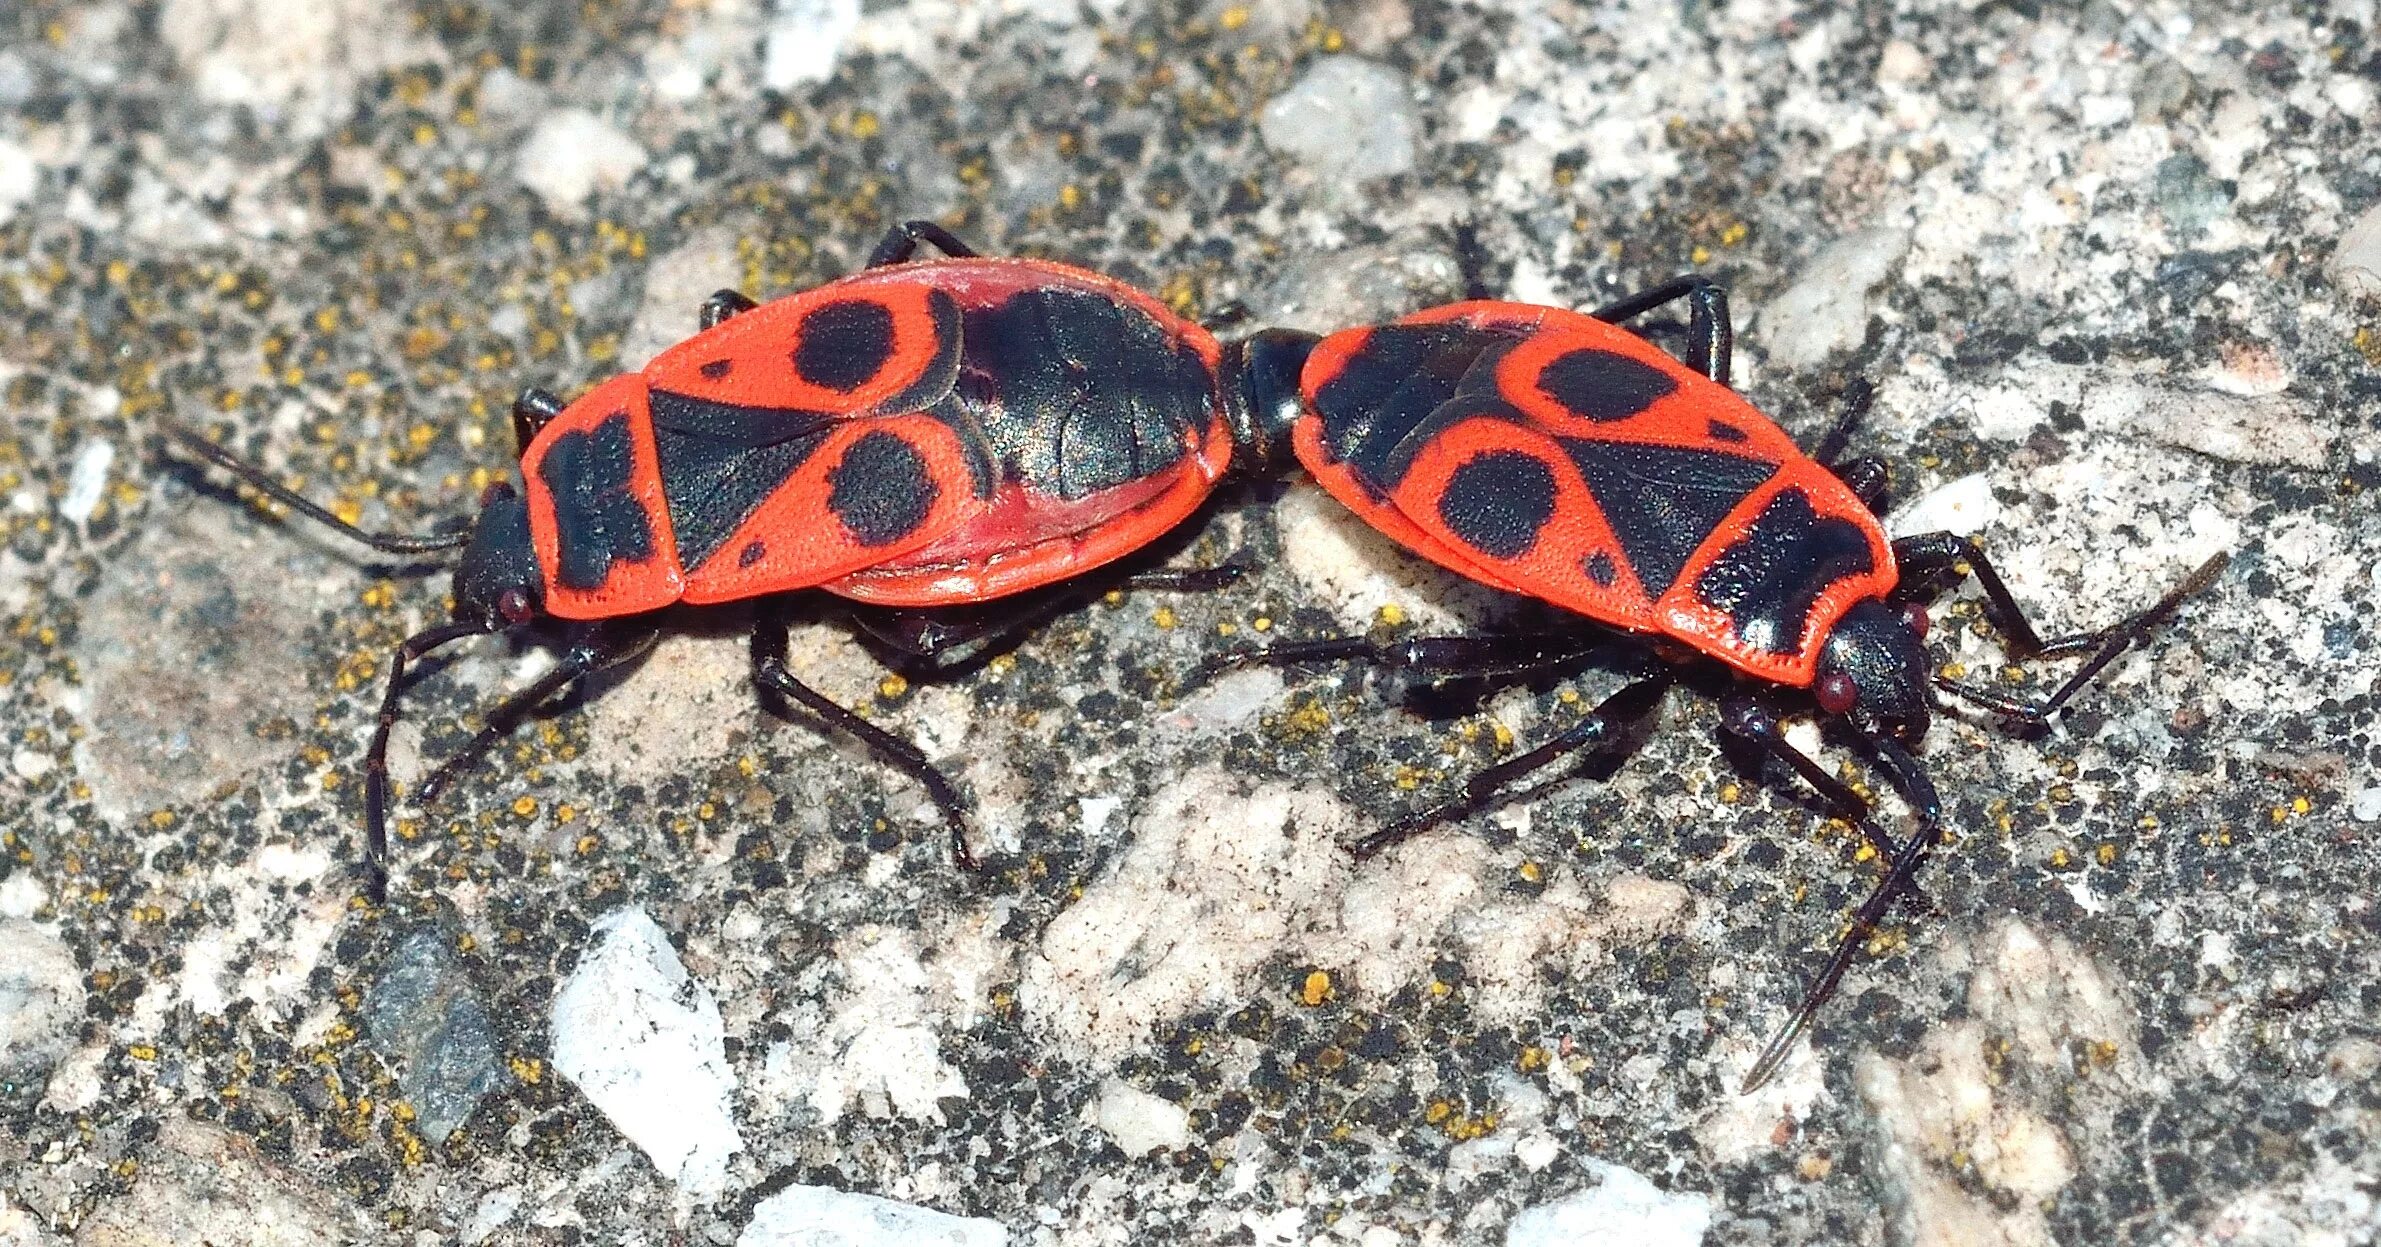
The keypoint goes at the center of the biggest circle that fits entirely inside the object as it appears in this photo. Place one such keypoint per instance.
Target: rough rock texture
(2111, 268)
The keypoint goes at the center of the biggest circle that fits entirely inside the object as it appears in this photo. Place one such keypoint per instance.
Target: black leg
(1470, 657)
(376, 755)
(901, 242)
(2106, 644)
(593, 648)
(1749, 721)
(769, 672)
(936, 636)
(1908, 776)
(1186, 579)
(1711, 332)
(721, 305)
(532, 411)
(1471, 261)
(1859, 397)
(1613, 722)
(1867, 478)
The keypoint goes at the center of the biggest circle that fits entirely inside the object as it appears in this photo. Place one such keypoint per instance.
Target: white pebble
(821, 1216)
(645, 1044)
(87, 483)
(2365, 806)
(1964, 506)
(571, 155)
(18, 177)
(1624, 1209)
(804, 41)
(2356, 263)
(1140, 1122)
(1826, 309)
(1348, 120)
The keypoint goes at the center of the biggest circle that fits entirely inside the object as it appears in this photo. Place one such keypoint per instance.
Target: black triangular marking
(716, 468)
(598, 520)
(1663, 502)
(1604, 386)
(1767, 581)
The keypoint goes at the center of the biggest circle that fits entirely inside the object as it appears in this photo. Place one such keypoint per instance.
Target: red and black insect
(1559, 456)
(920, 439)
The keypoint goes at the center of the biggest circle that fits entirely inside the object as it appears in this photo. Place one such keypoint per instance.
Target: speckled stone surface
(2104, 262)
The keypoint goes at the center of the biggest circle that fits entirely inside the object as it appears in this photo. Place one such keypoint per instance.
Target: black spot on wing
(844, 344)
(1601, 569)
(1767, 581)
(753, 552)
(1497, 502)
(717, 369)
(719, 462)
(882, 489)
(1604, 386)
(598, 520)
(1078, 393)
(1663, 502)
(1403, 374)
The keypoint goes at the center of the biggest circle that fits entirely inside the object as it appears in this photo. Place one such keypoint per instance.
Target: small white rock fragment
(804, 41)
(644, 1043)
(18, 178)
(41, 999)
(821, 1216)
(86, 483)
(1623, 1209)
(2365, 806)
(1139, 1121)
(571, 155)
(1348, 120)
(1826, 310)
(2355, 264)
(1964, 506)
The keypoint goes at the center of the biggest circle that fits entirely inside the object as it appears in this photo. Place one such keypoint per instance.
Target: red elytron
(932, 434)
(1557, 455)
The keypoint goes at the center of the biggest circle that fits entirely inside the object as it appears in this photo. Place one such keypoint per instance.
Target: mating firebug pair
(952, 444)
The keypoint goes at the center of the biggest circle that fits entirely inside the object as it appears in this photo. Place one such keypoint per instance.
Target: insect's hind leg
(1711, 331)
(770, 674)
(1614, 724)
(901, 242)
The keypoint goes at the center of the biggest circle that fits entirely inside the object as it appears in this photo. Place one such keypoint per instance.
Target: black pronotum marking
(1604, 386)
(1768, 579)
(720, 462)
(597, 518)
(844, 344)
(717, 368)
(1496, 503)
(1722, 431)
(1663, 502)
(1077, 392)
(753, 552)
(882, 489)
(1403, 375)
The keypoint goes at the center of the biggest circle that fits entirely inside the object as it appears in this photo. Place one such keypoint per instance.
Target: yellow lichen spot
(142, 1052)
(1334, 40)
(525, 807)
(1227, 628)
(565, 813)
(1815, 1166)
(892, 686)
(1532, 872)
(1316, 989)
(1164, 618)
(326, 320)
(1439, 988)
(1070, 197)
(2059, 859)
(1438, 1111)
(587, 845)
(1262, 623)
(865, 125)
(358, 378)
(1391, 615)
(1503, 735)
(1734, 234)
(1700, 255)
(2301, 806)
(529, 1070)
(2106, 854)
(161, 819)
(1235, 17)
(1533, 1059)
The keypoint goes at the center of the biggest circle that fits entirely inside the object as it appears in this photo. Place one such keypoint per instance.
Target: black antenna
(254, 477)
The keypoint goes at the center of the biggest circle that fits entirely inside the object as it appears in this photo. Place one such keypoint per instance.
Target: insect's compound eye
(1836, 693)
(1913, 616)
(513, 604)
